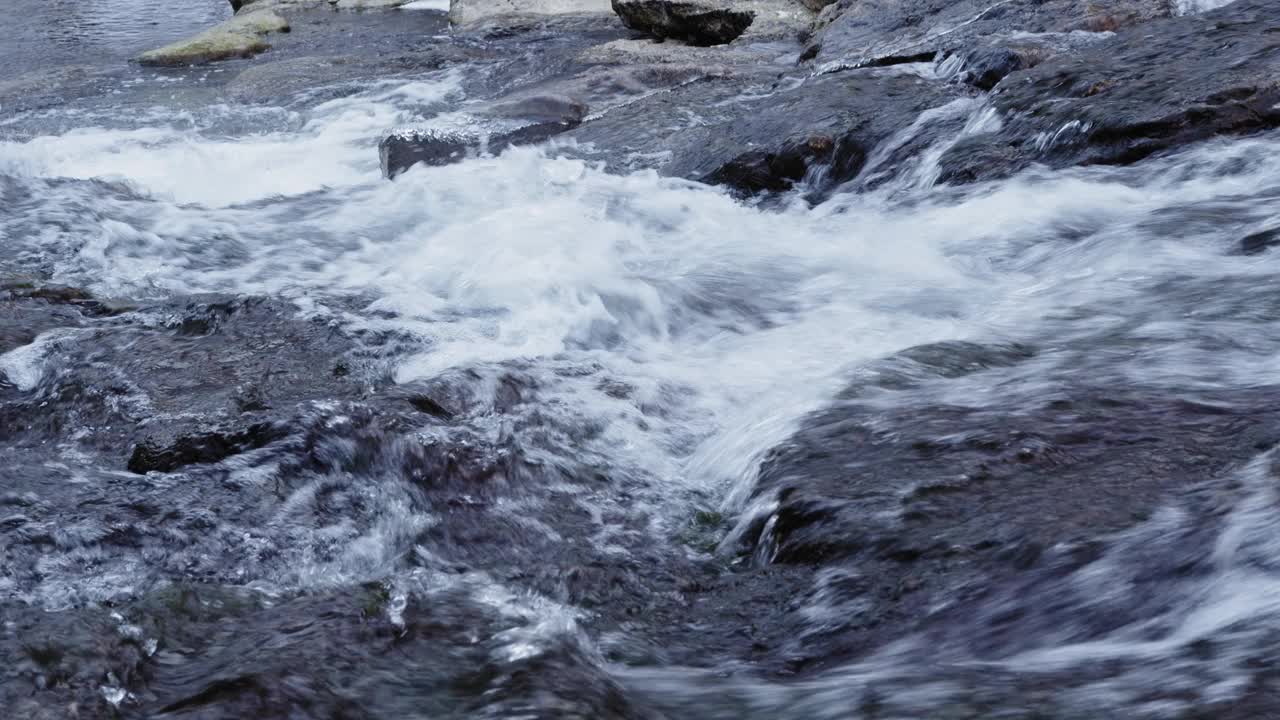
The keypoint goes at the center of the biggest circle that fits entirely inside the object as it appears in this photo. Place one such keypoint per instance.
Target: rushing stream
(515, 437)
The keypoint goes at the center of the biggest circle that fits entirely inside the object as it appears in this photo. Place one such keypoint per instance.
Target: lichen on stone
(241, 36)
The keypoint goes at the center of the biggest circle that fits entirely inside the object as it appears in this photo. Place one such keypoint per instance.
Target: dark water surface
(42, 34)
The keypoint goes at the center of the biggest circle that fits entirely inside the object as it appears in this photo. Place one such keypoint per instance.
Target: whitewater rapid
(741, 318)
(727, 321)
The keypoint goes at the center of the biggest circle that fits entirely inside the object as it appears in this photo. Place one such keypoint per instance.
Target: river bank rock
(698, 22)
(1161, 86)
(491, 128)
(858, 33)
(242, 36)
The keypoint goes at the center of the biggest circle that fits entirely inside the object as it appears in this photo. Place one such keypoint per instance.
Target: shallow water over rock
(41, 34)
(565, 433)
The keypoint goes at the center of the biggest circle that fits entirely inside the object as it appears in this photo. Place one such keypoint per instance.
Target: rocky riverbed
(645, 359)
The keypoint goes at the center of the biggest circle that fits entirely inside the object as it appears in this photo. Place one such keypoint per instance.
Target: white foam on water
(728, 323)
(333, 147)
(439, 5)
(1190, 7)
(737, 320)
(25, 365)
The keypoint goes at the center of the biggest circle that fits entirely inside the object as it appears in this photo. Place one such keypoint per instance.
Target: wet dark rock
(468, 393)
(942, 506)
(204, 315)
(404, 149)
(249, 398)
(194, 650)
(492, 128)
(780, 169)
(51, 293)
(1157, 87)
(863, 33)
(917, 365)
(823, 128)
(24, 288)
(207, 447)
(696, 22)
(985, 67)
(425, 404)
(1260, 242)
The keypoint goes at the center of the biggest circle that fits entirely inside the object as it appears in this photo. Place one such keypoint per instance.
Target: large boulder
(1149, 89)
(696, 22)
(242, 36)
(491, 128)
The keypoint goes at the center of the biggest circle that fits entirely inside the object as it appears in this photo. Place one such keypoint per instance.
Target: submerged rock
(1260, 242)
(985, 67)
(698, 23)
(492, 128)
(242, 36)
(779, 168)
(199, 448)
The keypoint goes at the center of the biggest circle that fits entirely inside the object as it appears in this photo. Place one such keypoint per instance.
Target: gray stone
(492, 128)
(242, 36)
(698, 23)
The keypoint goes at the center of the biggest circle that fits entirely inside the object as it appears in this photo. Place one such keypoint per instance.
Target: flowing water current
(656, 336)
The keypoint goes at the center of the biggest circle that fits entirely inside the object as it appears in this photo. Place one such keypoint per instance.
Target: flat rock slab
(1158, 87)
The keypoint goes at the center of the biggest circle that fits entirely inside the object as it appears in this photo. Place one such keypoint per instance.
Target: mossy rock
(240, 37)
(704, 532)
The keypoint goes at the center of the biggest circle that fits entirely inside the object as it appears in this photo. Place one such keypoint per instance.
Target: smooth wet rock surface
(1116, 103)
(755, 144)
